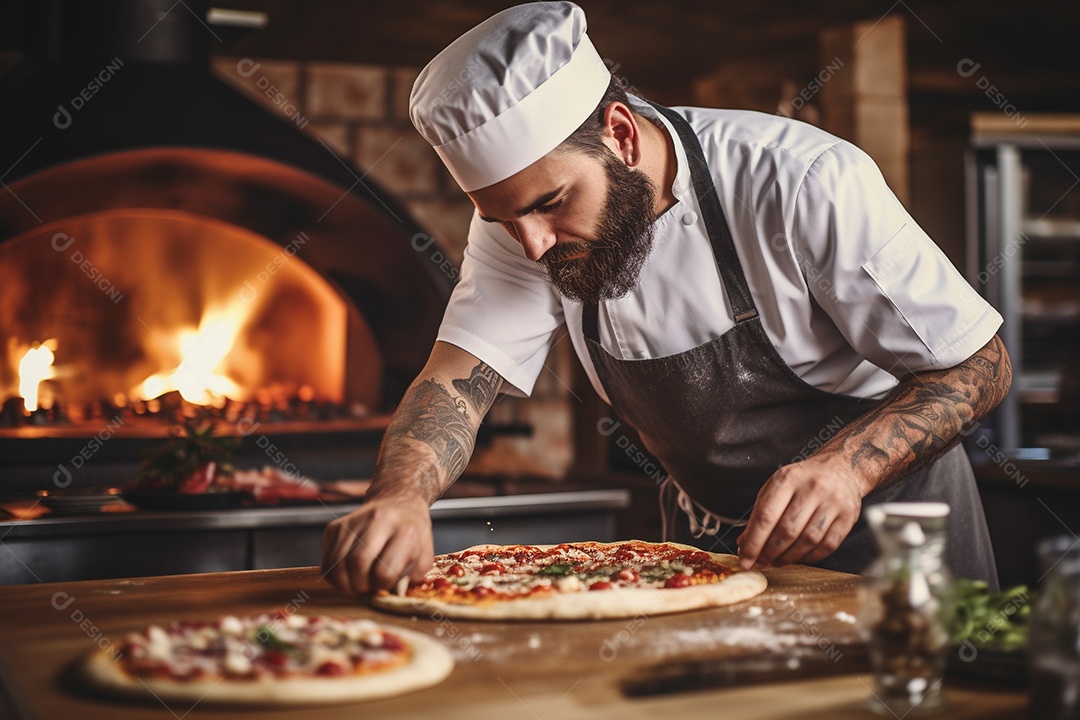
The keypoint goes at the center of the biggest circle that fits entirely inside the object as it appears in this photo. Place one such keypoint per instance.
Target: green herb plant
(992, 620)
(191, 446)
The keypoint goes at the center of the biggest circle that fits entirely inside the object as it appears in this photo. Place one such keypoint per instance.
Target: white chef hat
(509, 91)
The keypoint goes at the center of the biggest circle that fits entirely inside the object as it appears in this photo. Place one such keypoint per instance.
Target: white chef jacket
(851, 291)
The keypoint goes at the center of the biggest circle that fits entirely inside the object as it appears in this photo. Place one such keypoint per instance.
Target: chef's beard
(623, 239)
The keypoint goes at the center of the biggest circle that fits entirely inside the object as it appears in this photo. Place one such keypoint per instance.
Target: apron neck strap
(723, 246)
(712, 212)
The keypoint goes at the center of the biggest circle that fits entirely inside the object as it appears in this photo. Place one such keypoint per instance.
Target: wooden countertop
(504, 670)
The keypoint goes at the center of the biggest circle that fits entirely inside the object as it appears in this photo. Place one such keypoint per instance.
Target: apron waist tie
(709, 524)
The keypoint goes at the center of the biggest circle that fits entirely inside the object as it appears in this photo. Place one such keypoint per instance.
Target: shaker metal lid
(877, 513)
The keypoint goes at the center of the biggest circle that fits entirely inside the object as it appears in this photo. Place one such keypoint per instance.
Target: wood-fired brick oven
(170, 241)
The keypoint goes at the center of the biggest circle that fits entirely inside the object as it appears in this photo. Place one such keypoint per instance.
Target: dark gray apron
(723, 416)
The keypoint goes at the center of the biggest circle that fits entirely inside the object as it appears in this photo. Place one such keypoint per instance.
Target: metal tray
(170, 500)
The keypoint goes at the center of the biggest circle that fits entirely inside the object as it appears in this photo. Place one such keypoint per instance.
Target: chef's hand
(386, 539)
(802, 513)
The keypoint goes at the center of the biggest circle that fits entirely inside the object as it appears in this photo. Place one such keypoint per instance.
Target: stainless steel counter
(307, 515)
(128, 544)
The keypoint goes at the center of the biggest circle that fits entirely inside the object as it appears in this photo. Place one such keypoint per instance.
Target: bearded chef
(737, 285)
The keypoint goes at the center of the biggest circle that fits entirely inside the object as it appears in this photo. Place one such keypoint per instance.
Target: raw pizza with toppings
(268, 660)
(575, 581)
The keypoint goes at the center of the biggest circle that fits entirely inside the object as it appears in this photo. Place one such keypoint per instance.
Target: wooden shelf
(998, 123)
(1052, 229)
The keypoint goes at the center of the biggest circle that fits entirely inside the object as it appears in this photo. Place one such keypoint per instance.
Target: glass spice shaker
(1054, 639)
(905, 606)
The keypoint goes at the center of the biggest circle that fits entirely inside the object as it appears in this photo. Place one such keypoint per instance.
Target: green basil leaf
(557, 570)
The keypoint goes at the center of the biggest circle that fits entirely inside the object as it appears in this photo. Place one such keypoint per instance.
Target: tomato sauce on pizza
(493, 574)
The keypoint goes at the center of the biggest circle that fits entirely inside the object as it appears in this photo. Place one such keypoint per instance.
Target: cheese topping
(520, 571)
(263, 647)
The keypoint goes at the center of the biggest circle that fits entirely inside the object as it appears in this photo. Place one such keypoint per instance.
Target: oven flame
(211, 314)
(200, 376)
(35, 367)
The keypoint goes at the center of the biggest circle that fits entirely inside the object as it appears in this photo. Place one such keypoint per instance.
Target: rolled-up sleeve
(887, 286)
(504, 311)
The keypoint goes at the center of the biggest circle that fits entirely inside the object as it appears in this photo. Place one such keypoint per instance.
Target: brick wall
(361, 112)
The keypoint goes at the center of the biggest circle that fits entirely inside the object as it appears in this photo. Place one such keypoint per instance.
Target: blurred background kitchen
(235, 194)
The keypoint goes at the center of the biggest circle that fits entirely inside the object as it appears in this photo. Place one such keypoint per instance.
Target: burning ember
(34, 367)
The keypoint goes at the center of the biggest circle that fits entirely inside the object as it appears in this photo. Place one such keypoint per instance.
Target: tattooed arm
(807, 508)
(425, 449)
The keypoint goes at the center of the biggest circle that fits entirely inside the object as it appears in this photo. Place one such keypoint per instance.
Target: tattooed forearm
(432, 416)
(481, 387)
(925, 415)
(431, 438)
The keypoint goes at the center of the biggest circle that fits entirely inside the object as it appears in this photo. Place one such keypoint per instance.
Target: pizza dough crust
(429, 665)
(596, 605)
